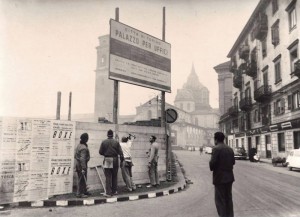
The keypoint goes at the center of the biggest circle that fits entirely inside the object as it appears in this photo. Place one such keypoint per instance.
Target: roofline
(261, 4)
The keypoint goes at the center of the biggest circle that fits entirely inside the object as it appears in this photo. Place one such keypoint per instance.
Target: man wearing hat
(111, 149)
(82, 156)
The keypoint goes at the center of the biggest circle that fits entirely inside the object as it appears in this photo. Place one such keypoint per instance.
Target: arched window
(196, 121)
(149, 114)
(103, 59)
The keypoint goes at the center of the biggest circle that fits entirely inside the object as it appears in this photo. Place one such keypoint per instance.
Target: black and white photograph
(149, 108)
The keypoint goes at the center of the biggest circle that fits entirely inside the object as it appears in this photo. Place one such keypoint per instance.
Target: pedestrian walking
(82, 156)
(153, 162)
(127, 164)
(111, 149)
(221, 163)
(201, 150)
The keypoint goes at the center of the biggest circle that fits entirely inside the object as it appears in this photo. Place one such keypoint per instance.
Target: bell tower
(104, 87)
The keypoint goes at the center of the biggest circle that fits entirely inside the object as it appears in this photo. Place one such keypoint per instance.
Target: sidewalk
(165, 188)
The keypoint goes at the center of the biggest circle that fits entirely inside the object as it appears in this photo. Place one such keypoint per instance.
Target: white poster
(23, 156)
(8, 129)
(39, 162)
(62, 145)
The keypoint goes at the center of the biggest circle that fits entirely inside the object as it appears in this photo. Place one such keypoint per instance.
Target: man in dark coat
(221, 163)
(111, 149)
(82, 156)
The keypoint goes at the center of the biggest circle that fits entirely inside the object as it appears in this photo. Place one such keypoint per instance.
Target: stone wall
(97, 133)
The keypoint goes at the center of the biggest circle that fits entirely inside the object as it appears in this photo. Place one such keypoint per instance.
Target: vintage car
(293, 159)
(240, 153)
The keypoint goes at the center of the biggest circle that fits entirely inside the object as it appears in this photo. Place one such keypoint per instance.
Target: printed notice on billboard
(61, 157)
(138, 58)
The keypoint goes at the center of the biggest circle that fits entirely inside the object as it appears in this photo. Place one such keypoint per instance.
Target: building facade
(225, 86)
(265, 110)
(196, 121)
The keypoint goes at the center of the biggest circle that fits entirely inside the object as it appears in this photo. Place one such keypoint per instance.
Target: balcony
(265, 121)
(246, 104)
(244, 51)
(233, 111)
(261, 27)
(296, 71)
(237, 79)
(263, 93)
(252, 69)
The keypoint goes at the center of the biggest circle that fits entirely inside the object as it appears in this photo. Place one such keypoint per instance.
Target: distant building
(196, 122)
(265, 110)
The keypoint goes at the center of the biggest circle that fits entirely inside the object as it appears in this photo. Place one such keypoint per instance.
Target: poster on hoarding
(39, 160)
(8, 130)
(62, 143)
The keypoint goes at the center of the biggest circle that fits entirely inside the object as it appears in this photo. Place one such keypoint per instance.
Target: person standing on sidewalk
(153, 162)
(221, 163)
(111, 149)
(127, 164)
(82, 156)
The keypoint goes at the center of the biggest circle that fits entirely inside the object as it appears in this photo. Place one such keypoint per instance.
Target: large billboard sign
(138, 58)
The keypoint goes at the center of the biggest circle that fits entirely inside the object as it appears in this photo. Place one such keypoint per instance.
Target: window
(103, 60)
(255, 84)
(149, 114)
(264, 47)
(236, 143)
(275, 33)
(293, 48)
(274, 6)
(281, 145)
(235, 102)
(292, 18)
(279, 106)
(277, 69)
(188, 106)
(265, 77)
(256, 115)
(196, 121)
(294, 101)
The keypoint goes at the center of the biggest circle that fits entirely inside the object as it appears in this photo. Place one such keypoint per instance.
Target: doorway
(249, 144)
(296, 139)
(268, 146)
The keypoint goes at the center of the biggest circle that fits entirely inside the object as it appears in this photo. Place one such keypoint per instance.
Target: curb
(87, 202)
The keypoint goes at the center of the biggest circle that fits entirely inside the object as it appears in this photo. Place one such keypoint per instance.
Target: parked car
(293, 159)
(240, 153)
(208, 150)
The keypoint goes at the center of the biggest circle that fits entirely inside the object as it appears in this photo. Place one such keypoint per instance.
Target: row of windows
(280, 139)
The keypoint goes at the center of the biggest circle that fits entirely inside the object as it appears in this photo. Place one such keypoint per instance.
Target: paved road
(260, 190)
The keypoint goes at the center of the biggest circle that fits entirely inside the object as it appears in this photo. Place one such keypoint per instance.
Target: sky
(48, 46)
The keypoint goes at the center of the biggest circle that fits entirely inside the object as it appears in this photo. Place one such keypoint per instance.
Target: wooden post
(58, 105)
(116, 93)
(70, 106)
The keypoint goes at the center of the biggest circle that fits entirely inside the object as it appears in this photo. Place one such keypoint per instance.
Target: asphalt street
(260, 190)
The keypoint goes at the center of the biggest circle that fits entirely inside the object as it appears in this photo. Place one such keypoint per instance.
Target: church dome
(184, 95)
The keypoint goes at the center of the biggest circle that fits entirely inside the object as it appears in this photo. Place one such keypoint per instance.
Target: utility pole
(70, 106)
(116, 92)
(58, 105)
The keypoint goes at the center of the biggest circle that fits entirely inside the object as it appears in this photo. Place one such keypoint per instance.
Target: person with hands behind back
(82, 156)
(153, 162)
